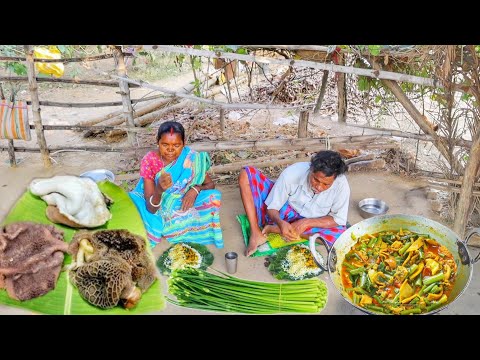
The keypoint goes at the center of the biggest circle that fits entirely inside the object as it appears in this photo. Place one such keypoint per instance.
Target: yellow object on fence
(14, 120)
(55, 69)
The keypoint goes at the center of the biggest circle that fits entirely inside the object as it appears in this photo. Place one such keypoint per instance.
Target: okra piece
(357, 271)
(404, 248)
(388, 239)
(418, 282)
(437, 304)
(374, 308)
(363, 279)
(415, 310)
(350, 266)
(431, 279)
(412, 269)
(425, 289)
(372, 242)
(360, 290)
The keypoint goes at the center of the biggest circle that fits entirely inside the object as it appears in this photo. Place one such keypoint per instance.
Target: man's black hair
(166, 127)
(328, 162)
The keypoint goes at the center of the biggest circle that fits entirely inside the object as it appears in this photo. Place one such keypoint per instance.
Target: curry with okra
(398, 272)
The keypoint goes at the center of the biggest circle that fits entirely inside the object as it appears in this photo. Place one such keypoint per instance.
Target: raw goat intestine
(79, 199)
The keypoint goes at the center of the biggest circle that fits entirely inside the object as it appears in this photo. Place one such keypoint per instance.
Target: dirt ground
(402, 194)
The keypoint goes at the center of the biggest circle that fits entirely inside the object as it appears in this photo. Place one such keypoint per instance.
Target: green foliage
(374, 49)
(363, 83)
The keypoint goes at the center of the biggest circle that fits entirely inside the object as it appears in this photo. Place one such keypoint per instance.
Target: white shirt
(293, 186)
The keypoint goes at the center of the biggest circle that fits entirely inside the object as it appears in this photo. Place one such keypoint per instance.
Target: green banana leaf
(65, 299)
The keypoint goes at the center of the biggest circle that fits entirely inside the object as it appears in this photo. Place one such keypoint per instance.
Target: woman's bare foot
(271, 229)
(256, 239)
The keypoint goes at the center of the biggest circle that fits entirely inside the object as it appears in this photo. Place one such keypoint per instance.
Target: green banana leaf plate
(65, 299)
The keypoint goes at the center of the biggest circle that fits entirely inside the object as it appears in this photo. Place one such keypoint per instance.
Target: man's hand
(300, 226)
(288, 231)
(165, 181)
(189, 199)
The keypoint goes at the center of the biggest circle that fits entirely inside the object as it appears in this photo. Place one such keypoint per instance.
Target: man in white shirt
(307, 198)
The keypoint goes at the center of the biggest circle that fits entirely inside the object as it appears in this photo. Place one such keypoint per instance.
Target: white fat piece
(79, 199)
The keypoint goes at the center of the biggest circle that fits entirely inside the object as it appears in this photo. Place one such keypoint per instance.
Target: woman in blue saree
(175, 196)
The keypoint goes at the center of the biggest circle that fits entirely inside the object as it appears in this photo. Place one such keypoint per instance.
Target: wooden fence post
(37, 119)
(303, 124)
(11, 153)
(125, 93)
(342, 93)
(323, 87)
(222, 120)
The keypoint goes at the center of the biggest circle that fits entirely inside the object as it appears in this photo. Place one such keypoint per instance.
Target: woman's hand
(288, 231)
(189, 199)
(165, 181)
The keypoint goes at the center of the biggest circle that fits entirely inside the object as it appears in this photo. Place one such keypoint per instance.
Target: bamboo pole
(125, 93)
(462, 212)
(323, 88)
(65, 80)
(91, 128)
(304, 144)
(235, 166)
(423, 137)
(377, 74)
(303, 124)
(451, 189)
(443, 180)
(90, 105)
(64, 60)
(37, 119)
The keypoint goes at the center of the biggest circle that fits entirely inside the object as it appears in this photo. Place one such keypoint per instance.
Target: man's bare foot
(256, 239)
(271, 229)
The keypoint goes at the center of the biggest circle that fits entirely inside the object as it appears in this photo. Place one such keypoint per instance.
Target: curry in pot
(398, 272)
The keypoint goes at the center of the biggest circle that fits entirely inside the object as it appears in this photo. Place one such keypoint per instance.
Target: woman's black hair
(171, 127)
(328, 162)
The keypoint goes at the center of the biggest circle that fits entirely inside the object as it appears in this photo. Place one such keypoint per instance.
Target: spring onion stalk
(198, 289)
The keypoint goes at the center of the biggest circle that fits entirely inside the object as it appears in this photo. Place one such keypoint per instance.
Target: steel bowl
(372, 207)
(99, 175)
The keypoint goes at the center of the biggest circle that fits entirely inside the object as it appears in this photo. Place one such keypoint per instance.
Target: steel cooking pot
(439, 232)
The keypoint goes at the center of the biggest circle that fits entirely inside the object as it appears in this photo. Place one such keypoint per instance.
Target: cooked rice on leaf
(294, 263)
(182, 255)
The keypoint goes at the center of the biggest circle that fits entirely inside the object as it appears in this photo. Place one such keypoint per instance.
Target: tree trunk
(125, 93)
(37, 119)
(426, 127)
(463, 210)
